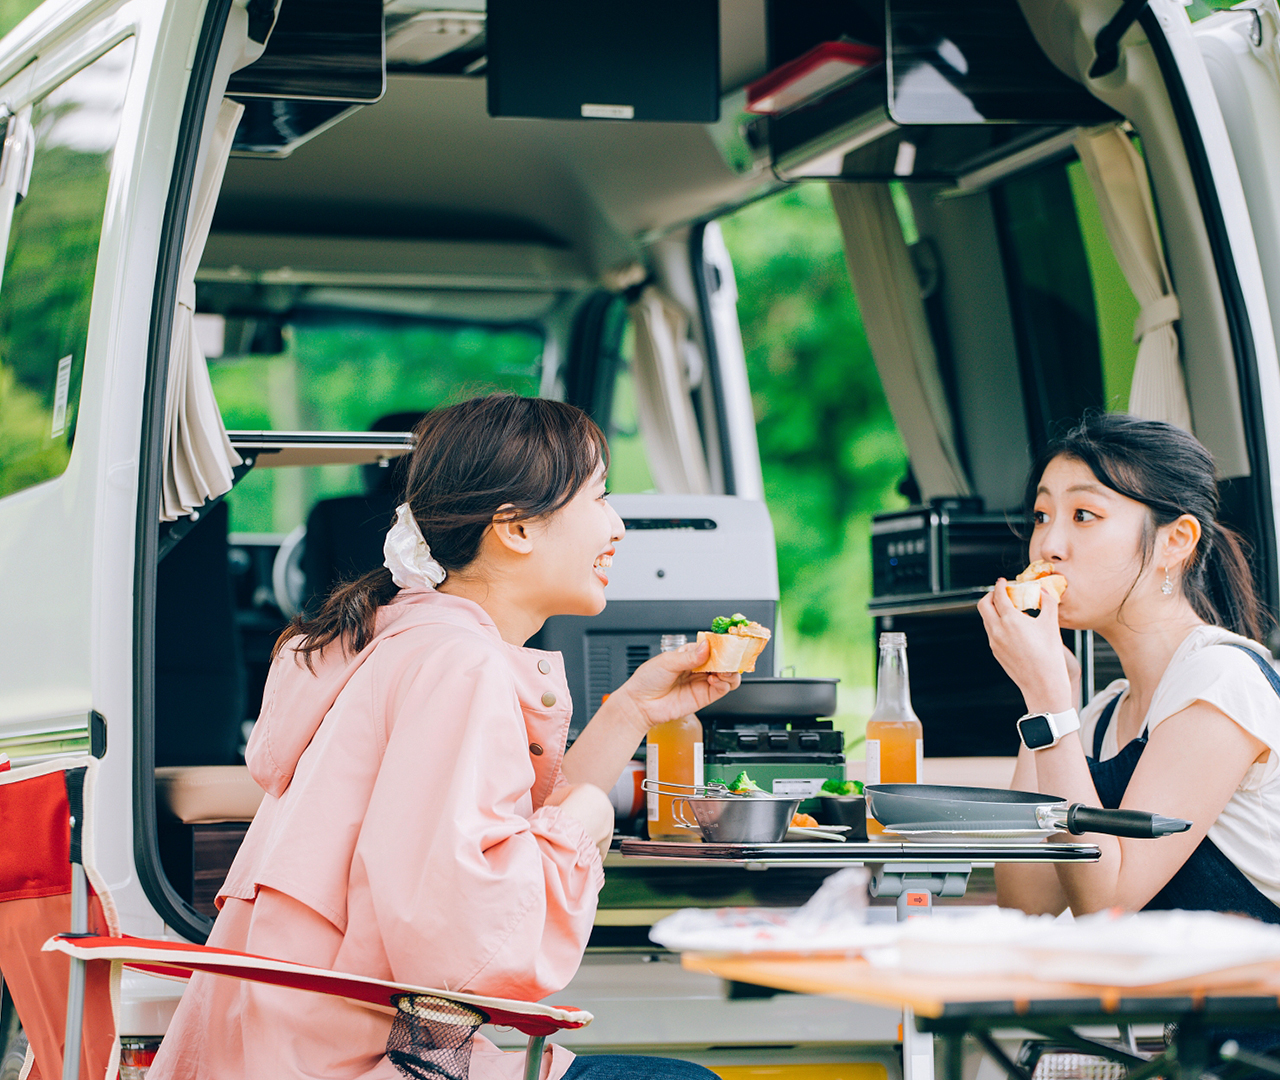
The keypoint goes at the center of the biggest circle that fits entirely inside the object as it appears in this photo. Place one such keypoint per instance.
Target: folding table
(912, 871)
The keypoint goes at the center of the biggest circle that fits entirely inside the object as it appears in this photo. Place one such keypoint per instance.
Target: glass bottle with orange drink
(673, 756)
(895, 737)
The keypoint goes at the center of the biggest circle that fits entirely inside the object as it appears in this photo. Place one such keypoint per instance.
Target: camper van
(249, 242)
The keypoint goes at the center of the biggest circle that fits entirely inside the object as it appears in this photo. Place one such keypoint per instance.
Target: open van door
(1241, 51)
(1204, 100)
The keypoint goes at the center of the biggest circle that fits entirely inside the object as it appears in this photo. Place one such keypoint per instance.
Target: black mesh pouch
(431, 1037)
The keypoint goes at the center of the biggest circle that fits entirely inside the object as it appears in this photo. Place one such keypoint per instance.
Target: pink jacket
(403, 836)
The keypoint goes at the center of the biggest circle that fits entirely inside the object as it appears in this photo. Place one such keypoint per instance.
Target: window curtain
(1118, 177)
(888, 295)
(198, 455)
(664, 401)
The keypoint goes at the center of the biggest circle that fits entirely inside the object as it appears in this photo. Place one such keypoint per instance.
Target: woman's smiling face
(1093, 536)
(574, 549)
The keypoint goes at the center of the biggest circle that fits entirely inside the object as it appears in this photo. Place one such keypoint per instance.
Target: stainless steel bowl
(735, 819)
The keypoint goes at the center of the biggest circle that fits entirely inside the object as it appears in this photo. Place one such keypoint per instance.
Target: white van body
(78, 551)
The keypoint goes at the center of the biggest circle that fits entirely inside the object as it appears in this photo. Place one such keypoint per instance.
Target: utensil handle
(678, 816)
(666, 787)
(1085, 819)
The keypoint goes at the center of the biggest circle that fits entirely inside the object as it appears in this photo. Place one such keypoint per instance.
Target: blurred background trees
(831, 454)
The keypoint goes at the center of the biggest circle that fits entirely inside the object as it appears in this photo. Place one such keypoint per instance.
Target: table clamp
(916, 884)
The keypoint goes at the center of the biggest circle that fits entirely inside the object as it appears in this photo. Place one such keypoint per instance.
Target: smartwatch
(1042, 730)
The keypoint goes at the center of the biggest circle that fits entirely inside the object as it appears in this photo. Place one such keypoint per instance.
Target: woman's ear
(1180, 540)
(514, 536)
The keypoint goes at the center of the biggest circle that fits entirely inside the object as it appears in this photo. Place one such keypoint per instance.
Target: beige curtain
(893, 315)
(1118, 176)
(198, 455)
(664, 402)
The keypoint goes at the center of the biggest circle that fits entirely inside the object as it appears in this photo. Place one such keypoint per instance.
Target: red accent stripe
(317, 980)
(35, 841)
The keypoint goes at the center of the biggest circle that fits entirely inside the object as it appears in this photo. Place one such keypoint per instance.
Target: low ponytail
(1219, 583)
(349, 615)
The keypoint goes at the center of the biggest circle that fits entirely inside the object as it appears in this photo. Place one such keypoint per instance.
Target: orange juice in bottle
(673, 756)
(895, 738)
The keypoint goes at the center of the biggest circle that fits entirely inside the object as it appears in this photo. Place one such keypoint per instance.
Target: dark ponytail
(532, 455)
(1171, 473)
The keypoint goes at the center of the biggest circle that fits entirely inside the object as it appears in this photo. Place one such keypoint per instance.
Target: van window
(1051, 299)
(49, 270)
(628, 466)
(1073, 309)
(831, 454)
(343, 371)
(1116, 305)
(13, 12)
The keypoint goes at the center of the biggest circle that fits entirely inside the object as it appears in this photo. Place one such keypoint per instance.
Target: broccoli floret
(842, 787)
(720, 624)
(743, 785)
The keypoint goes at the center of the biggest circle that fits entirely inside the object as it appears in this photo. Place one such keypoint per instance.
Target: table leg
(917, 1049)
(915, 885)
(996, 1052)
(952, 1055)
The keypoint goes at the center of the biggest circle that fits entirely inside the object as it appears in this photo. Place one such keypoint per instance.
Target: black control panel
(947, 546)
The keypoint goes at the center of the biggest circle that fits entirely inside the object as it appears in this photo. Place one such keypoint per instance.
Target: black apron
(1208, 880)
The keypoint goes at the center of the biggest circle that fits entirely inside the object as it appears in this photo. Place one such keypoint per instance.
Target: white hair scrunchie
(407, 555)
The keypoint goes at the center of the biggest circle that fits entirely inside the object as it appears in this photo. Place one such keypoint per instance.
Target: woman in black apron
(1126, 511)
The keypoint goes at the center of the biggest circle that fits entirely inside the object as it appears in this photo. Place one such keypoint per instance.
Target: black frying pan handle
(1085, 819)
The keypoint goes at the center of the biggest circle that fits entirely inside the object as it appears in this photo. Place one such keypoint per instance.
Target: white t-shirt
(1248, 830)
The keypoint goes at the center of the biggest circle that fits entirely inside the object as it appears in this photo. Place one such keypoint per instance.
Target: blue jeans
(633, 1066)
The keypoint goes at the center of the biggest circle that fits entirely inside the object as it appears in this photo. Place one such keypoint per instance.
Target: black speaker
(581, 59)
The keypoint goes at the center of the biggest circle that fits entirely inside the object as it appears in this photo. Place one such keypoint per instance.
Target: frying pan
(945, 808)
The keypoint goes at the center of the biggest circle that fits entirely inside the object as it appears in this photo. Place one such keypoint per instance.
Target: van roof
(427, 162)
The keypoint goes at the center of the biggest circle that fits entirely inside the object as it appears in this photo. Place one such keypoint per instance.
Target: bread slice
(736, 651)
(1024, 590)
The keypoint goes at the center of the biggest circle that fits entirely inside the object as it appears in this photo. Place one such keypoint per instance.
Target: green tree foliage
(27, 455)
(13, 12)
(341, 373)
(831, 454)
(44, 309)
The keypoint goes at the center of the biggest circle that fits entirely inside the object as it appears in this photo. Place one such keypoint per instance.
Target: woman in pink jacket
(423, 821)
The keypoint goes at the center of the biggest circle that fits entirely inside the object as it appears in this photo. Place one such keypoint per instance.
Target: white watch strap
(1064, 723)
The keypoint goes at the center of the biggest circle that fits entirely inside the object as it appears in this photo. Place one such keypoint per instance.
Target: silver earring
(1167, 587)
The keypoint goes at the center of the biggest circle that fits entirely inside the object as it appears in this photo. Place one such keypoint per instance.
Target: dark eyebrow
(1092, 489)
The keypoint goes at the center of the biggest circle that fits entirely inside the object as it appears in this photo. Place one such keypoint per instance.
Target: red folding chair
(65, 986)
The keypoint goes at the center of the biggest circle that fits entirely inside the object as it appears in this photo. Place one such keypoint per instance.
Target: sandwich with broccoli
(736, 642)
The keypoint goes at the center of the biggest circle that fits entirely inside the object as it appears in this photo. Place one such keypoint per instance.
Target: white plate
(817, 832)
(970, 836)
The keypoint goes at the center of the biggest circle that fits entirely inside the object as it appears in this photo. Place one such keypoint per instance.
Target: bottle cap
(892, 640)
(672, 641)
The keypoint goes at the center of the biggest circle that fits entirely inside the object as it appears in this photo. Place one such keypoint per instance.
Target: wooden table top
(1011, 996)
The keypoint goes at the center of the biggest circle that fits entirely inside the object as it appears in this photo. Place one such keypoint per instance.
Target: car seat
(345, 535)
(199, 671)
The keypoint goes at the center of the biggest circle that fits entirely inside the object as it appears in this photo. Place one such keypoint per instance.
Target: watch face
(1035, 731)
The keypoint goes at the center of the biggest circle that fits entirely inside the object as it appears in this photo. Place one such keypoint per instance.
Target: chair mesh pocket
(431, 1037)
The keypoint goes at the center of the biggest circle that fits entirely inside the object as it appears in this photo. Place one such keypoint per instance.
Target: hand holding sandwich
(1029, 648)
(663, 688)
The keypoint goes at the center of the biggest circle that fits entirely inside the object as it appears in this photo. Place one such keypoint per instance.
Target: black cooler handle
(1086, 819)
